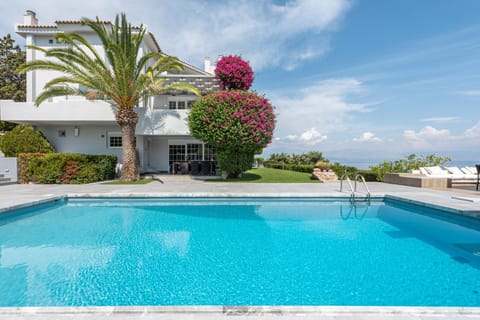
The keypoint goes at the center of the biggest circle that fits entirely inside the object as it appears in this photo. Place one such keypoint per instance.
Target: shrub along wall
(65, 168)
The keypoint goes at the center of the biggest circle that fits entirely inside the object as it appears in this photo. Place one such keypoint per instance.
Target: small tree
(234, 73)
(12, 84)
(24, 139)
(411, 161)
(237, 123)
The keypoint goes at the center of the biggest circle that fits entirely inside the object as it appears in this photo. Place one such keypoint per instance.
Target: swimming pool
(98, 252)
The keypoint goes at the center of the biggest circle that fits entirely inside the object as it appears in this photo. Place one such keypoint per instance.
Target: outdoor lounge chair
(459, 174)
(437, 172)
(454, 173)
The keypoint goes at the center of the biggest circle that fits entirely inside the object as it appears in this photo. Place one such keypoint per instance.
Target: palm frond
(123, 76)
(56, 92)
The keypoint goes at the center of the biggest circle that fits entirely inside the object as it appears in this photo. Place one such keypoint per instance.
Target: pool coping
(380, 196)
(239, 312)
(220, 312)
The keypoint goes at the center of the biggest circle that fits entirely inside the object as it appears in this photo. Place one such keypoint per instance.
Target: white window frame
(113, 134)
(187, 101)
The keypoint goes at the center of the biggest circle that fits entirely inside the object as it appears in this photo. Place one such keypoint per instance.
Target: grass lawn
(268, 175)
(141, 181)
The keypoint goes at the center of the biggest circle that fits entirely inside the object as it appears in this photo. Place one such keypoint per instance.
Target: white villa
(77, 125)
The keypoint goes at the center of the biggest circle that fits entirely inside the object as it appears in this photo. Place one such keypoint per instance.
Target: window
(180, 103)
(114, 140)
(210, 153)
(194, 152)
(50, 41)
(176, 152)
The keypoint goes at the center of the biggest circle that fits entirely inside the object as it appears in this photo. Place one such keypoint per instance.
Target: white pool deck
(17, 196)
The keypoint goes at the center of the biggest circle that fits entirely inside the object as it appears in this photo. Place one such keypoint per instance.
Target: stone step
(6, 181)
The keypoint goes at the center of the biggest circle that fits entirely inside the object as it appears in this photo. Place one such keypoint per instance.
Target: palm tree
(124, 78)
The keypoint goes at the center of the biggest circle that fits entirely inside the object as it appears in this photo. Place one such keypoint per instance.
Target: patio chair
(195, 167)
(205, 168)
(184, 168)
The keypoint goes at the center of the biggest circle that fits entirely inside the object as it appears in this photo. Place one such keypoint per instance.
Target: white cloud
(368, 137)
(263, 32)
(473, 132)
(426, 136)
(439, 119)
(310, 137)
(469, 93)
(317, 110)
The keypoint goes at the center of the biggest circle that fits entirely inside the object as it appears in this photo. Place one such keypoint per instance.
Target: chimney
(30, 18)
(207, 66)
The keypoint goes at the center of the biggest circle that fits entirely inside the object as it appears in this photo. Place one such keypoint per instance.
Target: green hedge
(368, 175)
(292, 167)
(68, 168)
(338, 169)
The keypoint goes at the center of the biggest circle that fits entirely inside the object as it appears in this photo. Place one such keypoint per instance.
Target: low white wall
(8, 167)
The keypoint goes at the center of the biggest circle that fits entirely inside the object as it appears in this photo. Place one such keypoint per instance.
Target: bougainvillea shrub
(234, 73)
(235, 120)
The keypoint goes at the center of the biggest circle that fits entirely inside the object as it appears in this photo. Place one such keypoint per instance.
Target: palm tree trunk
(127, 118)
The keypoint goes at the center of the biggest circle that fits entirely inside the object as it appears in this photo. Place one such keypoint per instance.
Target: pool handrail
(364, 183)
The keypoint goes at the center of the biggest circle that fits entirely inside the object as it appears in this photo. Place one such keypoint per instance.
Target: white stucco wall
(162, 122)
(91, 140)
(158, 153)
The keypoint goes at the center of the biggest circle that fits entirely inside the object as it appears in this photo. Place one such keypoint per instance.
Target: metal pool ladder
(353, 189)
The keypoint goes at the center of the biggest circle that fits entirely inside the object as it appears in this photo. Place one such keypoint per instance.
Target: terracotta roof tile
(77, 22)
(35, 27)
(80, 22)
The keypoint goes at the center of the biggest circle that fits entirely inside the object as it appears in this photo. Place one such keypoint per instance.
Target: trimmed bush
(67, 168)
(106, 163)
(24, 139)
(234, 163)
(237, 123)
(233, 120)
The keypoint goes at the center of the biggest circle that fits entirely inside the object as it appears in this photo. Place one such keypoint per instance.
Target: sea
(366, 164)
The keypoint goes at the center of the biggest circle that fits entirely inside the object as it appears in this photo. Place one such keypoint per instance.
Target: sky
(359, 80)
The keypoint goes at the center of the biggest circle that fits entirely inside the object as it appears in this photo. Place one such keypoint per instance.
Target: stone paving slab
(12, 196)
(250, 313)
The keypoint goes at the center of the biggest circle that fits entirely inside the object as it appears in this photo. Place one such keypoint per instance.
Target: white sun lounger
(454, 173)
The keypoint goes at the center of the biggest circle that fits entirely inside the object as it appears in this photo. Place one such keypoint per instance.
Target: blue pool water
(237, 252)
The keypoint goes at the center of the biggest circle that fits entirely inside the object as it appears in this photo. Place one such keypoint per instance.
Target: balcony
(97, 112)
(65, 112)
(162, 122)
